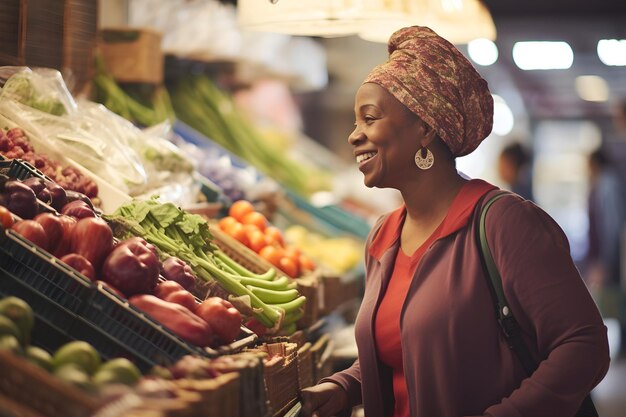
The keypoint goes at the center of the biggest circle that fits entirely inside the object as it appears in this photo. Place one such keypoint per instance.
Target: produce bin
(281, 376)
(71, 307)
(334, 217)
(30, 385)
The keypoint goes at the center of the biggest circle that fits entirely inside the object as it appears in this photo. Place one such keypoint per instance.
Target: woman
(428, 342)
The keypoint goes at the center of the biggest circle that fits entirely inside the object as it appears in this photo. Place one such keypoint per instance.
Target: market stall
(160, 252)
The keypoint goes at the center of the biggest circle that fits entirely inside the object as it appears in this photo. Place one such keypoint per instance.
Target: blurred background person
(515, 169)
(607, 212)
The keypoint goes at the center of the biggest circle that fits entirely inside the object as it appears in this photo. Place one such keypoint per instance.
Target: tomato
(237, 232)
(240, 208)
(306, 264)
(5, 217)
(184, 298)
(250, 228)
(274, 236)
(257, 240)
(289, 267)
(255, 218)
(222, 316)
(226, 223)
(165, 288)
(271, 254)
(294, 253)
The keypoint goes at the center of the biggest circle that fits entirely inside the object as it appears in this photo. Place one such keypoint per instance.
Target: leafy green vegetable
(19, 87)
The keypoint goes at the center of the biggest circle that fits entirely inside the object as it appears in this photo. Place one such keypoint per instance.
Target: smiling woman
(428, 342)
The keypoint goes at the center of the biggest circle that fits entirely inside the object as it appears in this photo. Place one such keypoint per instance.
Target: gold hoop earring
(424, 162)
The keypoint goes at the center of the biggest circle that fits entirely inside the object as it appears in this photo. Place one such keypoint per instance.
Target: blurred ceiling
(533, 96)
(551, 94)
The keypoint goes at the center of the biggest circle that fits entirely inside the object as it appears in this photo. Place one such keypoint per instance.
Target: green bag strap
(508, 324)
(495, 280)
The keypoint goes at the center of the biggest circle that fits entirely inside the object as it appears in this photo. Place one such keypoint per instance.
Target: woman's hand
(323, 400)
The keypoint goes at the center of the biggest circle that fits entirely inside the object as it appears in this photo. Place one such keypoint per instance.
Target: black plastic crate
(137, 331)
(43, 272)
(17, 168)
(90, 312)
(65, 300)
(46, 334)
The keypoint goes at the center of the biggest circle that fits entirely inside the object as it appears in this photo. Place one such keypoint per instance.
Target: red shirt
(387, 320)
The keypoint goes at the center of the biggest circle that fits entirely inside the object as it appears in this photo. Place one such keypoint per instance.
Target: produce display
(142, 104)
(130, 268)
(338, 254)
(77, 362)
(14, 144)
(147, 266)
(252, 229)
(200, 104)
(187, 236)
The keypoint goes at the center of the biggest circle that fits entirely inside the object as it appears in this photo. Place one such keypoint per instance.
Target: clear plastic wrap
(40, 88)
(135, 162)
(93, 136)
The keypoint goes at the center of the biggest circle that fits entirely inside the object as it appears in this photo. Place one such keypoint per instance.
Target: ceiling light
(592, 88)
(503, 119)
(543, 55)
(327, 18)
(612, 51)
(458, 21)
(482, 51)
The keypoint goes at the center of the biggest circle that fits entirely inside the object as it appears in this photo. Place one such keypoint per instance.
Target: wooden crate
(280, 376)
(132, 55)
(322, 350)
(26, 383)
(337, 291)
(252, 393)
(219, 396)
(306, 372)
(58, 34)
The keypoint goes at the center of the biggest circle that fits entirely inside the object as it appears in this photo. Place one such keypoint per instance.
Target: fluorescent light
(543, 55)
(483, 51)
(592, 88)
(503, 119)
(612, 51)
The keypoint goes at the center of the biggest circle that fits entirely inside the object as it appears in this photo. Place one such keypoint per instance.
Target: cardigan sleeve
(559, 319)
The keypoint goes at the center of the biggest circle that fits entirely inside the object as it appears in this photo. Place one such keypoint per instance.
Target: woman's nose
(355, 136)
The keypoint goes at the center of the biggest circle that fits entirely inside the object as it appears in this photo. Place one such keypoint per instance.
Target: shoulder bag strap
(508, 324)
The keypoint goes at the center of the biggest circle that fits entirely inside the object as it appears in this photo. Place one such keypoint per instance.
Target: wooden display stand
(58, 34)
(132, 55)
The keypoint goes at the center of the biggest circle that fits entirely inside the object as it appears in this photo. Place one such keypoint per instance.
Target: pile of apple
(251, 228)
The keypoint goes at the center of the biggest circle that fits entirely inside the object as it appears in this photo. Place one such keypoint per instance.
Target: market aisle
(610, 395)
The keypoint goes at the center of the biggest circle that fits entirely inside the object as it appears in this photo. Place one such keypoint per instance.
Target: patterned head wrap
(435, 81)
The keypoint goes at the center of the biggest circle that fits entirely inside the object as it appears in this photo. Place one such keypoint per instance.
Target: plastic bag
(169, 170)
(92, 136)
(40, 88)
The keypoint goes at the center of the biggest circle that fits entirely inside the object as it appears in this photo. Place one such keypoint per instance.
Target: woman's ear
(428, 134)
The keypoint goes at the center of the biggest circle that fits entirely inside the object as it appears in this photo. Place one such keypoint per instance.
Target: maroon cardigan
(456, 360)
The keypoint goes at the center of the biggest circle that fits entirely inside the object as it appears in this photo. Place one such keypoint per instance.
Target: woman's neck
(428, 198)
